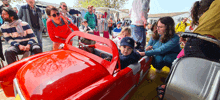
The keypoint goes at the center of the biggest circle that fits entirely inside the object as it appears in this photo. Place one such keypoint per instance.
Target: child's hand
(149, 48)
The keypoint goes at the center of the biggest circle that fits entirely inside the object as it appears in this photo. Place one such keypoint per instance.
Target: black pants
(110, 30)
(12, 51)
(202, 49)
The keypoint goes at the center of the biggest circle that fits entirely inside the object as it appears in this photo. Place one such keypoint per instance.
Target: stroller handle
(203, 37)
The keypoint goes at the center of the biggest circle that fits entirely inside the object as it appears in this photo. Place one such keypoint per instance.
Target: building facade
(177, 17)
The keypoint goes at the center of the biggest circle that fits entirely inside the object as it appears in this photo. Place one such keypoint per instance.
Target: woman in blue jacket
(166, 47)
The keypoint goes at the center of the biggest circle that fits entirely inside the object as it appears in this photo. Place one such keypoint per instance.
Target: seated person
(18, 34)
(126, 32)
(166, 48)
(127, 54)
(58, 27)
(209, 25)
(85, 28)
(117, 30)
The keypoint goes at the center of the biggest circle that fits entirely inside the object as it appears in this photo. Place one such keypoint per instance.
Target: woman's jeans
(159, 61)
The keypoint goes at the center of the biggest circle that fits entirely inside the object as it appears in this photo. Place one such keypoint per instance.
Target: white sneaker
(152, 76)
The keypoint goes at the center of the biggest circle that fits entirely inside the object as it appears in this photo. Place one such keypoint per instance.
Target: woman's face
(161, 28)
(55, 16)
(63, 6)
(85, 23)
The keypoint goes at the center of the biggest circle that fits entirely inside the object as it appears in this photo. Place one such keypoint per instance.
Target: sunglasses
(57, 14)
(64, 6)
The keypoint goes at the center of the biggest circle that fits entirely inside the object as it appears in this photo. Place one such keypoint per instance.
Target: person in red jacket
(58, 27)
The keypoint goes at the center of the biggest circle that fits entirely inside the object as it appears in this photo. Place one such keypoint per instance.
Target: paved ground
(145, 91)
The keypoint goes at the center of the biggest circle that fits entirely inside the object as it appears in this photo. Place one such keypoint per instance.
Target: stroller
(194, 78)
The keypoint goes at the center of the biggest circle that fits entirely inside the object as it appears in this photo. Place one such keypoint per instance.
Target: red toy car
(73, 73)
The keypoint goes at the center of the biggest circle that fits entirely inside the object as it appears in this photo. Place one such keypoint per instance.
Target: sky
(156, 6)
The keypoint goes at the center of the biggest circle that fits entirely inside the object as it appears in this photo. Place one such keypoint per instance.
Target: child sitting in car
(127, 54)
(126, 32)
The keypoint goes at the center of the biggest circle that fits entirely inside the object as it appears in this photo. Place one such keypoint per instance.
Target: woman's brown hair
(155, 36)
(170, 30)
(49, 8)
(199, 7)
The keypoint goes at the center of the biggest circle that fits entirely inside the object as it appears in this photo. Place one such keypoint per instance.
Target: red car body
(72, 73)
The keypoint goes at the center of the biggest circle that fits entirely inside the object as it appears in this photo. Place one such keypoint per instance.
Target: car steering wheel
(86, 47)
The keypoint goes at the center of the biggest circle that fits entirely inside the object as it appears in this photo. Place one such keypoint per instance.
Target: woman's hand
(141, 53)
(149, 48)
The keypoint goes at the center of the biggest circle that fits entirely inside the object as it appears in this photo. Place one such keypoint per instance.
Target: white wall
(175, 18)
(152, 20)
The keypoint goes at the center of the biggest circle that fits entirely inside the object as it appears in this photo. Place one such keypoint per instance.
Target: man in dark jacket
(32, 14)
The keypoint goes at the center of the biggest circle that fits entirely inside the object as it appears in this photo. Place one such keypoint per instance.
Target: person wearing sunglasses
(58, 26)
(64, 11)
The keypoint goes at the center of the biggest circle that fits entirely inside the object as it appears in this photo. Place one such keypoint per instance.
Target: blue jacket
(171, 46)
(129, 59)
(118, 30)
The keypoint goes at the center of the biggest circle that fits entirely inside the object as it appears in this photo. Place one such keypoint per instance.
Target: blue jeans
(38, 34)
(159, 61)
(138, 33)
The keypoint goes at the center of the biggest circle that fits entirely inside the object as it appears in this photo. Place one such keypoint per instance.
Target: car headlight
(17, 91)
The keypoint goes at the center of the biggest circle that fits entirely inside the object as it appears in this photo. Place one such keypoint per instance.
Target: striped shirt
(14, 38)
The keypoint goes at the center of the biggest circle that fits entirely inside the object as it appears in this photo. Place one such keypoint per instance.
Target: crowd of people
(23, 31)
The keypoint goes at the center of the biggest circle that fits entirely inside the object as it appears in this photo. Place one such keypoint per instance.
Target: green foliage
(102, 3)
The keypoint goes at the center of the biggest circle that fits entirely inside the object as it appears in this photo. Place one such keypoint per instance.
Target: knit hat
(127, 41)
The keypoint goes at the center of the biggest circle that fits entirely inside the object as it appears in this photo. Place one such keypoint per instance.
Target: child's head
(125, 32)
(119, 24)
(126, 46)
(84, 22)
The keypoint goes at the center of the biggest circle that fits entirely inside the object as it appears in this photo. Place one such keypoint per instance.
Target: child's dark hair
(155, 36)
(199, 7)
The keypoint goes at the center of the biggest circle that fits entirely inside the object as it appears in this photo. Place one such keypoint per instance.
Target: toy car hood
(59, 75)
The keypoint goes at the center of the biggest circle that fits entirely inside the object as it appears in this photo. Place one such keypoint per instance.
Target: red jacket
(59, 33)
